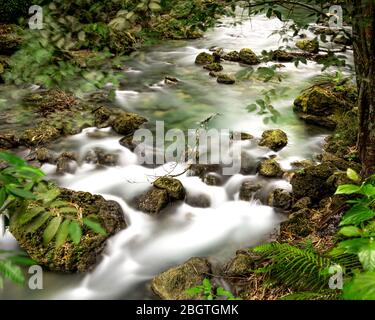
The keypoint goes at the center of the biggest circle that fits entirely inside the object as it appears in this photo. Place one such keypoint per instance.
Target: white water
(151, 244)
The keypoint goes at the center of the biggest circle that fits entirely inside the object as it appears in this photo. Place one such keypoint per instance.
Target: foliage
(11, 10)
(206, 289)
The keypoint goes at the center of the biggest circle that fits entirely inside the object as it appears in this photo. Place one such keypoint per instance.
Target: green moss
(274, 139)
(270, 168)
(174, 187)
(226, 78)
(204, 58)
(247, 56)
(311, 46)
(215, 67)
(127, 123)
(232, 56)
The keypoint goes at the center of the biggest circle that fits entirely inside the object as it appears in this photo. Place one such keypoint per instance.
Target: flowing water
(152, 244)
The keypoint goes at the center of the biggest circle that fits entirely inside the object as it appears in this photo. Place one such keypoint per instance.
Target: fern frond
(321, 295)
(11, 271)
(297, 268)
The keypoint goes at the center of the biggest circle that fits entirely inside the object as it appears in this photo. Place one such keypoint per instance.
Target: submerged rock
(153, 201)
(232, 56)
(102, 157)
(66, 163)
(198, 201)
(174, 187)
(72, 257)
(171, 80)
(274, 139)
(247, 56)
(270, 168)
(215, 67)
(248, 190)
(204, 58)
(173, 283)
(282, 56)
(226, 79)
(311, 46)
(8, 141)
(127, 123)
(342, 39)
(280, 198)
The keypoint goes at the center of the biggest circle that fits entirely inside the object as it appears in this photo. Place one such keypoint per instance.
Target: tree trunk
(364, 56)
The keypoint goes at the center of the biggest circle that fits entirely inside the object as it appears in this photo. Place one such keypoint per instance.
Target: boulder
(204, 58)
(127, 142)
(308, 45)
(101, 157)
(174, 187)
(299, 224)
(247, 56)
(242, 265)
(342, 39)
(274, 139)
(198, 201)
(225, 78)
(232, 56)
(154, 201)
(248, 190)
(312, 182)
(281, 199)
(127, 123)
(44, 155)
(282, 56)
(270, 168)
(71, 257)
(303, 203)
(102, 117)
(8, 141)
(173, 283)
(10, 39)
(215, 67)
(39, 136)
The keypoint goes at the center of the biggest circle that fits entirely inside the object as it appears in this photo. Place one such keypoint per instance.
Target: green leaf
(62, 233)
(352, 175)
(194, 291)
(251, 107)
(75, 232)
(362, 287)
(348, 189)
(12, 159)
(357, 214)
(352, 246)
(12, 272)
(367, 257)
(22, 260)
(37, 223)
(30, 214)
(350, 231)
(94, 226)
(68, 210)
(368, 190)
(51, 230)
(49, 195)
(21, 193)
(3, 196)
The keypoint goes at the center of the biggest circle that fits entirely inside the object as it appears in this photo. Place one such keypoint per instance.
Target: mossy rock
(10, 39)
(38, 136)
(248, 190)
(299, 224)
(215, 67)
(281, 199)
(8, 141)
(173, 283)
(226, 78)
(311, 46)
(154, 201)
(232, 56)
(247, 56)
(182, 9)
(270, 168)
(71, 257)
(282, 56)
(204, 58)
(174, 187)
(121, 42)
(102, 117)
(127, 123)
(274, 139)
(241, 265)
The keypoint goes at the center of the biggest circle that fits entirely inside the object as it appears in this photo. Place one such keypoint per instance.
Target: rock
(247, 56)
(226, 78)
(39, 136)
(302, 164)
(299, 224)
(214, 74)
(212, 179)
(246, 136)
(12, 10)
(248, 190)
(274, 139)
(217, 54)
(44, 155)
(340, 163)
(282, 56)
(338, 179)
(102, 117)
(127, 142)
(201, 170)
(248, 163)
(8, 141)
(198, 201)
(303, 203)
(71, 257)
(121, 42)
(312, 182)
(270, 168)
(66, 163)
(241, 265)
(204, 58)
(101, 157)
(127, 123)
(182, 9)
(171, 80)
(153, 201)
(322, 106)
(311, 46)
(215, 67)
(173, 283)
(280, 198)
(174, 187)
(232, 56)
(342, 39)
(10, 39)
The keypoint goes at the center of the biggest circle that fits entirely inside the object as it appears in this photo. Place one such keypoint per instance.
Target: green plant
(206, 289)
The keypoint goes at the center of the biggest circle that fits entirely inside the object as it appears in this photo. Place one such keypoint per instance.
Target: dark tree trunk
(364, 56)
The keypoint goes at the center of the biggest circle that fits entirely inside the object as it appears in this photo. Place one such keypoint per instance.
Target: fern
(297, 268)
(321, 295)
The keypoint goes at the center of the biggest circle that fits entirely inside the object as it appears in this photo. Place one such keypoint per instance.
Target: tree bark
(364, 56)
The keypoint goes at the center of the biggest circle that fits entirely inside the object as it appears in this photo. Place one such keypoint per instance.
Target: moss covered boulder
(325, 105)
(282, 56)
(204, 58)
(232, 56)
(127, 123)
(69, 257)
(10, 39)
(308, 45)
(153, 201)
(226, 78)
(241, 265)
(215, 67)
(173, 187)
(173, 283)
(270, 168)
(274, 139)
(247, 56)
(298, 225)
(40, 135)
(248, 190)
(281, 199)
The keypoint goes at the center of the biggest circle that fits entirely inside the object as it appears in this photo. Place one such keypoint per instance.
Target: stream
(152, 244)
